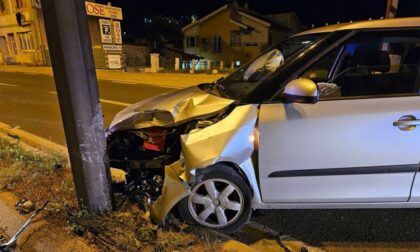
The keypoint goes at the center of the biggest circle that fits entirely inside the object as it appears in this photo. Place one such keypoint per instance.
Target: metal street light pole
(75, 77)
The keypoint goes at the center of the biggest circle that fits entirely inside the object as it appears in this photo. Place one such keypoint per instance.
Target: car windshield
(242, 82)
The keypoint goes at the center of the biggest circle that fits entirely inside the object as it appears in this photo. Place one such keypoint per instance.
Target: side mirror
(301, 91)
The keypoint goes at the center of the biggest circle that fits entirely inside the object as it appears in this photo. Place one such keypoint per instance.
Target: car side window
(370, 64)
(320, 71)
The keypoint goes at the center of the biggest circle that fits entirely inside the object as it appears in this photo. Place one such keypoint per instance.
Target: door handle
(407, 123)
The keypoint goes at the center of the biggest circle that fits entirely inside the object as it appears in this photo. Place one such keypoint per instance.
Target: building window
(217, 44)
(21, 4)
(26, 42)
(2, 6)
(191, 41)
(206, 42)
(12, 42)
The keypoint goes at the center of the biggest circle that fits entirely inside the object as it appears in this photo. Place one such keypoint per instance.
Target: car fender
(230, 140)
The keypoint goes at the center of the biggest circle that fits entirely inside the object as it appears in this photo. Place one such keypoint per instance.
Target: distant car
(325, 119)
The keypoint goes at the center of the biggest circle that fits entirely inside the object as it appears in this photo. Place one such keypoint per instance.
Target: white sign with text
(117, 32)
(105, 27)
(114, 61)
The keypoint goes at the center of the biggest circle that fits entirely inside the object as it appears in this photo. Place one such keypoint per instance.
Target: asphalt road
(29, 102)
(350, 229)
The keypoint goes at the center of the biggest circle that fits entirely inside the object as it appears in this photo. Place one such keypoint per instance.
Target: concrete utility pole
(75, 77)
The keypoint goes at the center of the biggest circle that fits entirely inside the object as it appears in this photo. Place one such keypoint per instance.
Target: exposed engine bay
(144, 153)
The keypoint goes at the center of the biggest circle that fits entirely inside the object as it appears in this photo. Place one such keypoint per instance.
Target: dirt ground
(47, 177)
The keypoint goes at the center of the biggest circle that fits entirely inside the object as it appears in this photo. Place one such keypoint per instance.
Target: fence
(207, 66)
(138, 59)
(136, 56)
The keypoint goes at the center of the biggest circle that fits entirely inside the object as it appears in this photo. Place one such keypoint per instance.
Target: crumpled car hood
(169, 109)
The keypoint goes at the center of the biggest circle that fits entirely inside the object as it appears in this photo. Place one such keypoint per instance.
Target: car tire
(221, 200)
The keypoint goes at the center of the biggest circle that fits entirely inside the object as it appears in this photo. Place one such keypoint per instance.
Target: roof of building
(369, 24)
(271, 22)
(268, 19)
(184, 55)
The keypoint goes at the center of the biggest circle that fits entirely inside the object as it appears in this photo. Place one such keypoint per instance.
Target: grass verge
(46, 176)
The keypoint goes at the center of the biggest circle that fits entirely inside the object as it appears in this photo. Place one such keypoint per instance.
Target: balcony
(247, 40)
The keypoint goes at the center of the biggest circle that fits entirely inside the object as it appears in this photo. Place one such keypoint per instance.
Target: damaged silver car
(324, 119)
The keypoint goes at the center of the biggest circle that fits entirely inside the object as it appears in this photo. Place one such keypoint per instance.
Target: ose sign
(100, 10)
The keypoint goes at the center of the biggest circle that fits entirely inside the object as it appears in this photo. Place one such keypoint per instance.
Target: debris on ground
(130, 229)
(24, 206)
(8, 245)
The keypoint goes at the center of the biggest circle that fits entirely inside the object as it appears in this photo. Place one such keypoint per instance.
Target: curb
(266, 239)
(295, 245)
(31, 139)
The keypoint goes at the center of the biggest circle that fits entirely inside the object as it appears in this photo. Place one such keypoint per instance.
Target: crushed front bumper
(175, 188)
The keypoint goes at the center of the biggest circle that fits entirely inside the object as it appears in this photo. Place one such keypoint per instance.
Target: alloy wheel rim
(216, 203)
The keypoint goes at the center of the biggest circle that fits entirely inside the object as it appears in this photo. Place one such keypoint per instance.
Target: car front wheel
(222, 201)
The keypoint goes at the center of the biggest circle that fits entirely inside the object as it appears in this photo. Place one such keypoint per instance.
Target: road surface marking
(144, 84)
(35, 73)
(116, 102)
(126, 82)
(8, 85)
(124, 104)
(32, 139)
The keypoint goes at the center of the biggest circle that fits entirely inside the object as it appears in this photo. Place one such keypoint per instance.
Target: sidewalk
(172, 80)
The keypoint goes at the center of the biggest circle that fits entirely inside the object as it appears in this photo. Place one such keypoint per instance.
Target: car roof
(369, 24)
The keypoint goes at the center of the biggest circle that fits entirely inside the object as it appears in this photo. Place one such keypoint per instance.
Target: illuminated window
(26, 42)
(21, 4)
(12, 42)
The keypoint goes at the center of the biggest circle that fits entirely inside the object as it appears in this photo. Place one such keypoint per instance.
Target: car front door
(359, 143)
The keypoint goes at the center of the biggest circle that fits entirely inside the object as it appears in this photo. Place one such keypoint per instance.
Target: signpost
(108, 42)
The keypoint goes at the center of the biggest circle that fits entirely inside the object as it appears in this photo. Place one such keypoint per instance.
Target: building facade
(22, 34)
(235, 34)
(23, 39)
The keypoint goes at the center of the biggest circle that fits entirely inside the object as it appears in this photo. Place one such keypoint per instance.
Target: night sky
(310, 12)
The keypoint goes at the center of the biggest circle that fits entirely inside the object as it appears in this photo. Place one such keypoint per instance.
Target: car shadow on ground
(367, 225)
